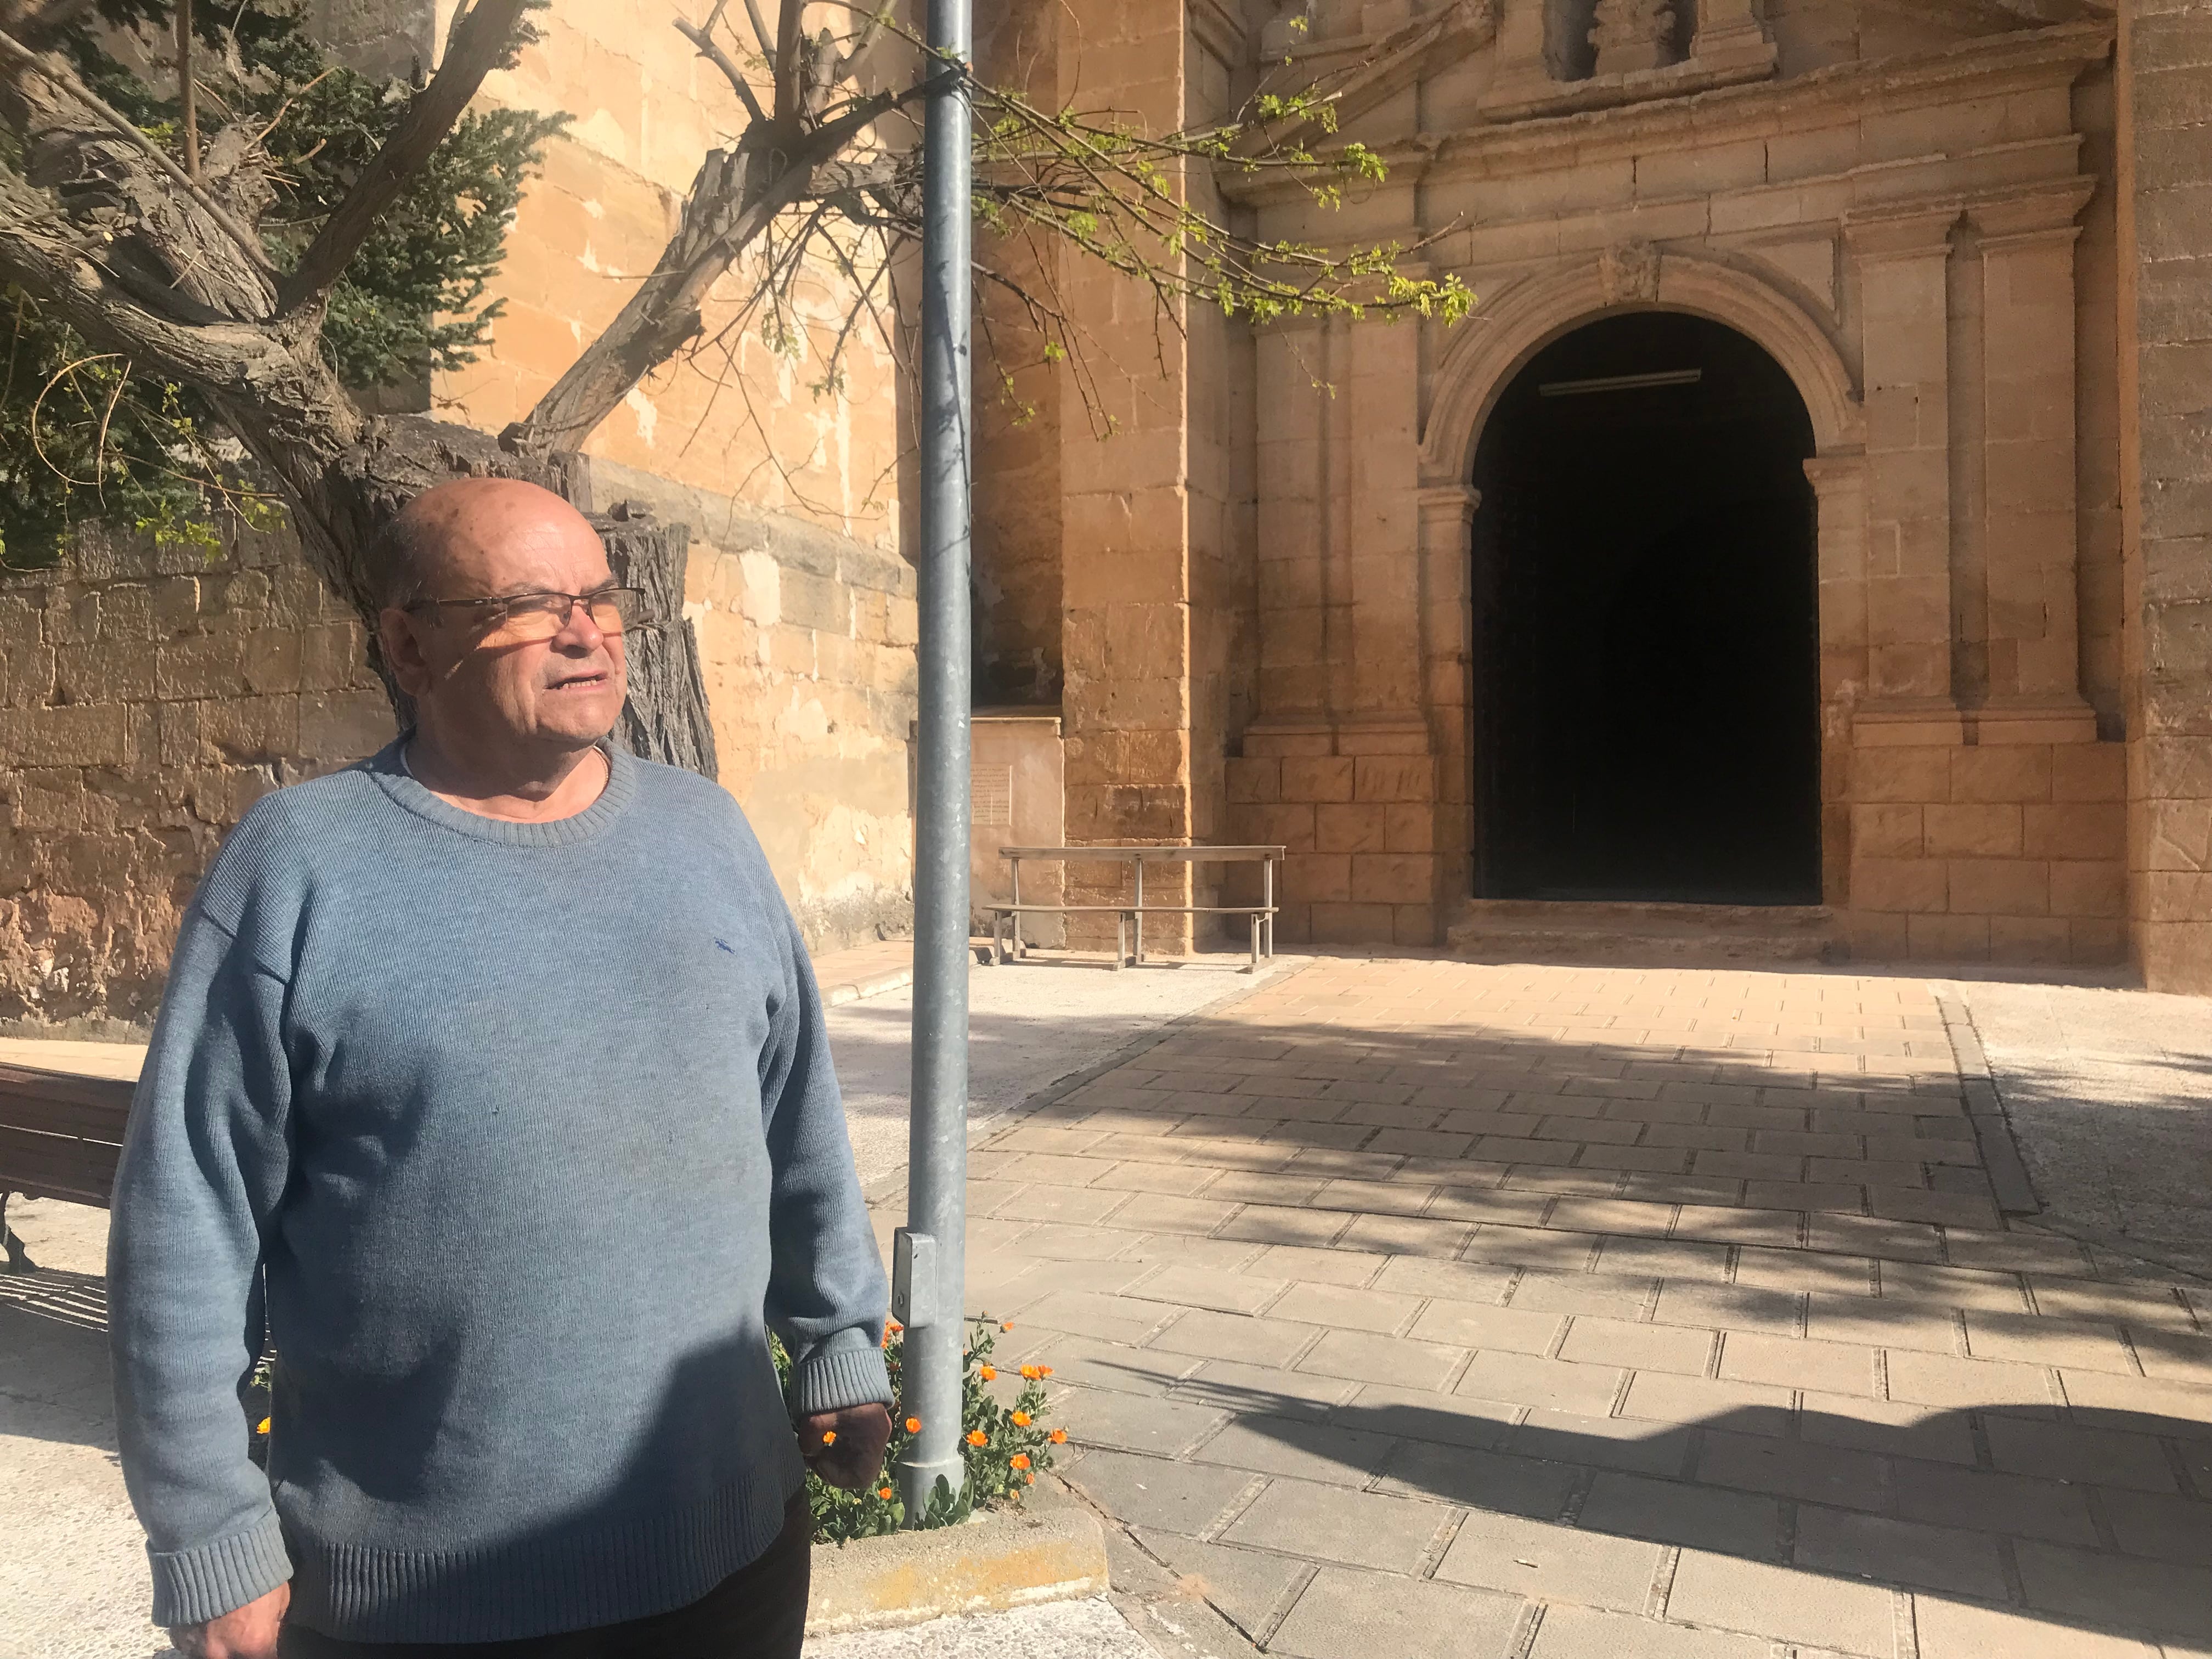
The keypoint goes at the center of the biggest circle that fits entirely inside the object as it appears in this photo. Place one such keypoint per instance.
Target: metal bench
(1007, 942)
(60, 1136)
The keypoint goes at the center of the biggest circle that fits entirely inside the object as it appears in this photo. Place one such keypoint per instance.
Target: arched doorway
(1646, 637)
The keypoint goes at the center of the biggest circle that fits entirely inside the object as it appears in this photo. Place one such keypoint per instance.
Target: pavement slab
(1684, 1323)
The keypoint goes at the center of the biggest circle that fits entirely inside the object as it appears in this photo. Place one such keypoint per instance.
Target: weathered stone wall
(1125, 506)
(149, 697)
(738, 416)
(2165, 182)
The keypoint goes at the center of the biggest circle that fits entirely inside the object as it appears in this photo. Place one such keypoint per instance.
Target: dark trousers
(759, 1612)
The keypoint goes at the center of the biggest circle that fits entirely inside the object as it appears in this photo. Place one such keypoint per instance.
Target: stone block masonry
(2165, 485)
(2000, 852)
(149, 695)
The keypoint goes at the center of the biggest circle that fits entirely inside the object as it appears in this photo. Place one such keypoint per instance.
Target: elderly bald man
(491, 1073)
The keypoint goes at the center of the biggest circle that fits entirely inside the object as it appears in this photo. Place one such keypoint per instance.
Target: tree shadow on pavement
(1816, 1492)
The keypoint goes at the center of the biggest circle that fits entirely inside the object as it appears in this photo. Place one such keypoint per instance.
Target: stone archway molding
(1499, 340)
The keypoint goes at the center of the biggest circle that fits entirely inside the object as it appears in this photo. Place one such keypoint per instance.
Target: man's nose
(579, 631)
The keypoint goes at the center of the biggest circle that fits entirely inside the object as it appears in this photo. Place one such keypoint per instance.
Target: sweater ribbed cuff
(830, 1381)
(193, 1586)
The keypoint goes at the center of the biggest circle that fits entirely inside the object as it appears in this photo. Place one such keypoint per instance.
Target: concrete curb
(1006, 1559)
(2001, 1157)
(891, 979)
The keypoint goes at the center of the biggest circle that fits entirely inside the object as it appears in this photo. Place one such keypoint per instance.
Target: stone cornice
(2037, 59)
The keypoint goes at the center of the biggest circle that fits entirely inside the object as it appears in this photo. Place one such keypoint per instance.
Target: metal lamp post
(929, 1250)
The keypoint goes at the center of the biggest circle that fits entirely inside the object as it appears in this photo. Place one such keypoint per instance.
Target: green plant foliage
(1005, 1448)
(84, 436)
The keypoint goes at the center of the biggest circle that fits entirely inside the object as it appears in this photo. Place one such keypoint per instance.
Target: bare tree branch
(479, 41)
(713, 53)
(59, 74)
(854, 64)
(729, 207)
(187, 97)
(273, 390)
(789, 51)
(760, 31)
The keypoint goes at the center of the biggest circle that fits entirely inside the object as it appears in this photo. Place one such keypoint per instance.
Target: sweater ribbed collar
(388, 766)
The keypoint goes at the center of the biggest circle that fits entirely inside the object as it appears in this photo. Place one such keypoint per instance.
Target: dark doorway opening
(1647, 673)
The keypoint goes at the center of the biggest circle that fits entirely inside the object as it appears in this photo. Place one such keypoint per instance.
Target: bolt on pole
(930, 1251)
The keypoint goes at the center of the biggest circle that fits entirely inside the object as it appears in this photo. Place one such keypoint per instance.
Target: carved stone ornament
(1628, 274)
(1633, 34)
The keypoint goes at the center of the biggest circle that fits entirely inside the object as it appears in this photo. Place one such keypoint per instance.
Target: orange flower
(977, 1438)
(1020, 1460)
(1021, 1419)
(884, 1492)
(1029, 1479)
(891, 1327)
(1060, 1436)
(1008, 1326)
(988, 1373)
(828, 1437)
(1044, 1371)
(1031, 1372)
(914, 1425)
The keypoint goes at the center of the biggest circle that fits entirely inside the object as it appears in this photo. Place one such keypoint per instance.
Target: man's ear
(398, 633)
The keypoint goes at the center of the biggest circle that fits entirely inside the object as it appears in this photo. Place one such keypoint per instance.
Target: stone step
(1685, 935)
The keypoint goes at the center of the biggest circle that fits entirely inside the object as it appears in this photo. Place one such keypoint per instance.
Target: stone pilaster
(1730, 33)
(1903, 261)
(1125, 511)
(2026, 249)
(1522, 66)
(1447, 690)
(1632, 35)
(1839, 490)
(1380, 404)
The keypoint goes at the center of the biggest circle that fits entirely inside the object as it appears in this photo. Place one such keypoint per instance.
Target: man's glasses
(532, 618)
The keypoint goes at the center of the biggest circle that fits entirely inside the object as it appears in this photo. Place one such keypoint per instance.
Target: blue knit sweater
(532, 1135)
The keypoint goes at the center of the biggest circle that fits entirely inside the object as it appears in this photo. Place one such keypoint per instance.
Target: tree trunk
(665, 719)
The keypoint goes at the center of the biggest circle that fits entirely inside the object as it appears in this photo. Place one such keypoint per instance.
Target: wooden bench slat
(57, 1165)
(26, 1083)
(63, 1117)
(61, 1133)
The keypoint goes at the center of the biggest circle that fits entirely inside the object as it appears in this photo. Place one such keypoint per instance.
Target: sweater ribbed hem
(193, 1586)
(572, 1579)
(843, 1376)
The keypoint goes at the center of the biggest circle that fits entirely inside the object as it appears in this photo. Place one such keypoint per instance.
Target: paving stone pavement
(2111, 1092)
(1409, 1308)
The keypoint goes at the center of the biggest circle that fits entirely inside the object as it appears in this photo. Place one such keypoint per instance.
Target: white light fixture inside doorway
(1621, 383)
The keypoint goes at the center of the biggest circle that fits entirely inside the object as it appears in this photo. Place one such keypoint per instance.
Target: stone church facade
(1771, 541)
(1803, 545)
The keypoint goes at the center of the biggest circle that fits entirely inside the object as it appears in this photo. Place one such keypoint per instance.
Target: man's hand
(845, 1448)
(246, 1632)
